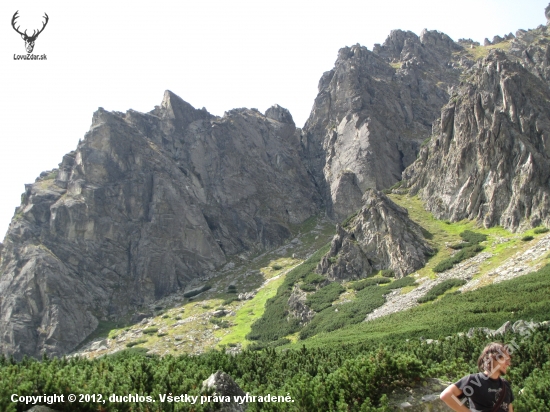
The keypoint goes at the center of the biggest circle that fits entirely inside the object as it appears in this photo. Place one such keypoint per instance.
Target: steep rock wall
(489, 156)
(373, 111)
(147, 203)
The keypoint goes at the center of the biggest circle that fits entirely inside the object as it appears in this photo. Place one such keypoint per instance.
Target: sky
(217, 54)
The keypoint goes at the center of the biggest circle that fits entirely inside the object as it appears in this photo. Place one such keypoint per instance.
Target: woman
(486, 391)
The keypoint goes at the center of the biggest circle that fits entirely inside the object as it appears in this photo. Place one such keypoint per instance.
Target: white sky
(219, 54)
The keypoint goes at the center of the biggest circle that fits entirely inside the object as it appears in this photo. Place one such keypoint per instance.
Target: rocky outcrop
(531, 49)
(421, 397)
(145, 204)
(381, 236)
(41, 408)
(489, 155)
(297, 306)
(373, 111)
(220, 384)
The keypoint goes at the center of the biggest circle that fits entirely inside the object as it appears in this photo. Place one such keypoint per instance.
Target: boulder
(221, 384)
(41, 408)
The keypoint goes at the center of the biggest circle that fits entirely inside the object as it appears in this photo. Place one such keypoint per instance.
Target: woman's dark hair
(493, 351)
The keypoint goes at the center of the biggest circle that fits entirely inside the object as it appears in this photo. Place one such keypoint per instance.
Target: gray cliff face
(489, 156)
(146, 203)
(373, 111)
(381, 236)
(531, 48)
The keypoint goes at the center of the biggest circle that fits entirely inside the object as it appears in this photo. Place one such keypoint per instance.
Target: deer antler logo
(29, 40)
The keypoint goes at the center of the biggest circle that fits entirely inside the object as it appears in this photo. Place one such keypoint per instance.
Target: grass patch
(446, 232)
(348, 220)
(249, 313)
(276, 321)
(480, 52)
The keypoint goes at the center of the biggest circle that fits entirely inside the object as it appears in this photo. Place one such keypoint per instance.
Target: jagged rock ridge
(147, 203)
(373, 111)
(489, 157)
(381, 236)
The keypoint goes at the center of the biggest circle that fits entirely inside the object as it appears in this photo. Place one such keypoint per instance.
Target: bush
(444, 265)
(150, 331)
(349, 313)
(276, 320)
(440, 289)
(401, 283)
(464, 254)
(232, 289)
(473, 237)
(136, 342)
(469, 239)
(160, 335)
(458, 246)
(307, 287)
(388, 273)
(276, 267)
(540, 230)
(221, 323)
(311, 281)
(366, 300)
(314, 278)
(324, 297)
(195, 292)
(230, 300)
(527, 238)
(362, 284)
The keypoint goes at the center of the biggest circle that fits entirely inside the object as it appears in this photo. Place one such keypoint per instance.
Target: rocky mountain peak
(488, 158)
(146, 204)
(373, 110)
(279, 114)
(380, 236)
